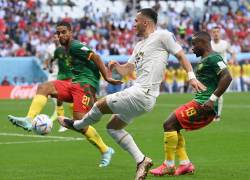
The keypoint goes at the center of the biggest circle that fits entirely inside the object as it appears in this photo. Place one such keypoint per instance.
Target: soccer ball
(42, 124)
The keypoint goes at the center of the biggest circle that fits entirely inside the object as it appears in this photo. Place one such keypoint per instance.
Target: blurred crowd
(25, 30)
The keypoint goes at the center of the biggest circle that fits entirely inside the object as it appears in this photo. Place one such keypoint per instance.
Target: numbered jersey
(64, 69)
(207, 72)
(83, 68)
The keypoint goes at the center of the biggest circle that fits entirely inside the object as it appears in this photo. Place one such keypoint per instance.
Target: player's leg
(171, 128)
(220, 106)
(94, 138)
(126, 141)
(38, 103)
(84, 98)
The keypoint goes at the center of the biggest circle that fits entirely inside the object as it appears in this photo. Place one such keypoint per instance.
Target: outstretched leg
(116, 130)
(38, 103)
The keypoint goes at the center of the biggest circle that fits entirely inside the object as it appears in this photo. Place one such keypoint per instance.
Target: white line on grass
(40, 136)
(50, 138)
(38, 141)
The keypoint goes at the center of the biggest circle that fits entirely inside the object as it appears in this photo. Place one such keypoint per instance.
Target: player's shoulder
(215, 57)
(163, 33)
(60, 49)
(75, 44)
(224, 42)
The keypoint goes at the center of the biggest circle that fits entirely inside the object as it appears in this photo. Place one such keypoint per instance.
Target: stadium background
(220, 151)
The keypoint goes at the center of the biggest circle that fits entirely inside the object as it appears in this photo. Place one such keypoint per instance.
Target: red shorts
(83, 97)
(192, 116)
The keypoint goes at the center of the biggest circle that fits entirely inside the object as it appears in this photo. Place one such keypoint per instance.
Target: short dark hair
(202, 35)
(64, 23)
(150, 13)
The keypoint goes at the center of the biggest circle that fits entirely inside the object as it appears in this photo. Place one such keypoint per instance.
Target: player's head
(216, 33)
(64, 32)
(201, 43)
(145, 18)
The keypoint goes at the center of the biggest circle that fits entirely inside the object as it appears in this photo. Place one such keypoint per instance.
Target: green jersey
(64, 70)
(83, 68)
(207, 71)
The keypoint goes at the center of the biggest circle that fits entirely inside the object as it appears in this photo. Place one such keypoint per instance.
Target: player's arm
(174, 48)
(122, 69)
(197, 85)
(224, 81)
(101, 66)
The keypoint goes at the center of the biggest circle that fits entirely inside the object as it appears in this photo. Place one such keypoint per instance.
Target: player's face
(216, 33)
(64, 35)
(198, 47)
(140, 25)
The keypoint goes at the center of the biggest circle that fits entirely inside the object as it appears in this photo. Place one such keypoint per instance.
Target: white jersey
(150, 58)
(222, 47)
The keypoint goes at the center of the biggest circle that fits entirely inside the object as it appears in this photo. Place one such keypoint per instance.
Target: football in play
(42, 124)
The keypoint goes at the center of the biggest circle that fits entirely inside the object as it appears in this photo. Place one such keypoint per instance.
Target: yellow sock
(170, 143)
(70, 107)
(180, 149)
(94, 138)
(38, 102)
(60, 110)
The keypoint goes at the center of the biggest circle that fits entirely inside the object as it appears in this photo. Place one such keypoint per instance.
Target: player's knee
(45, 89)
(117, 135)
(167, 126)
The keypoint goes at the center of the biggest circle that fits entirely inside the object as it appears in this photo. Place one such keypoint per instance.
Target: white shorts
(130, 103)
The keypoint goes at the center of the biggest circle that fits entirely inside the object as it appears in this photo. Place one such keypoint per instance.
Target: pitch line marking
(49, 138)
(40, 136)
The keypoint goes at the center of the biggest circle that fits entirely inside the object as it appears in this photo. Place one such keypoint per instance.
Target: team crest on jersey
(139, 56)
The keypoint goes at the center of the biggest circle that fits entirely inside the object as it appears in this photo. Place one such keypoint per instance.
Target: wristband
(191, 75)
(213, 98)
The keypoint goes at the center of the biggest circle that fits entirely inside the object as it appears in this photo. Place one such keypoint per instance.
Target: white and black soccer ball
(42, 124)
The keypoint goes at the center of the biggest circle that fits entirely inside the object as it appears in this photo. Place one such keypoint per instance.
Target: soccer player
(149, 59)
(199, 112)
(85, 66)
(58, 58)
(222, 47)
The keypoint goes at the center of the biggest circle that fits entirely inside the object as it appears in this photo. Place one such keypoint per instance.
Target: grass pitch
(219, 151)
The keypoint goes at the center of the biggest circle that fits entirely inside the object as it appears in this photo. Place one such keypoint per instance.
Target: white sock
(126, 141)
(220, 105)
(183, 162)
(92, 117)
(169, 163)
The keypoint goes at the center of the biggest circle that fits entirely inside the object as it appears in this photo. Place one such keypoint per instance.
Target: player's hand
(113, 81)
(197, 85)
(112, 64)
(208, 106)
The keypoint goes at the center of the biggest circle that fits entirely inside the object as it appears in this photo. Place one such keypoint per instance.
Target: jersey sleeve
(170, 43)
(218, 64)
(81, 51)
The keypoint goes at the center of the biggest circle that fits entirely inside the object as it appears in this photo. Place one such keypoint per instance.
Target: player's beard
(198, 52)
(64, 42)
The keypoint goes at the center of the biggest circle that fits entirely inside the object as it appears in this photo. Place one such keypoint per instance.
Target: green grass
(219, 151)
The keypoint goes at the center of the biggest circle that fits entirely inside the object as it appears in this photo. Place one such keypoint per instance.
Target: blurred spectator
(5, 81)
(25, 29)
